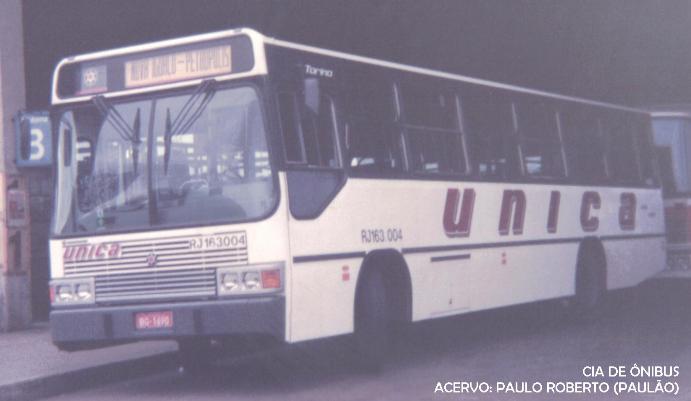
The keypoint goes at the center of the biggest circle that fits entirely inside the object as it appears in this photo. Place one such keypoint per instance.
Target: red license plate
(153, 320)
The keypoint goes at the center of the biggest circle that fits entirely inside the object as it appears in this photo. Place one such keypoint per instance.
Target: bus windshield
(209, 164)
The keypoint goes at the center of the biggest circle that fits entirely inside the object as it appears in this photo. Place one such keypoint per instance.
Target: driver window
(309, 131)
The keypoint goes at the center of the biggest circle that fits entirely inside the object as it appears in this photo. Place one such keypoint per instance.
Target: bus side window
(621, 150)
(425, 105)
(309, 131)
(373, 145)
(539, 139)
(431, 121)
(488, 125)
(294, 146)
(435, 152)
(584, 146)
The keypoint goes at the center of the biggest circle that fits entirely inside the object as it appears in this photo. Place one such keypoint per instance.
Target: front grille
(156, 285)
(167, 268)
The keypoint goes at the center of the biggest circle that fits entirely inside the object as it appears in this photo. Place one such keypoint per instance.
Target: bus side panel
(322, 300)
(632, 260)
(498, 267)
(522, 274)
(451, 274)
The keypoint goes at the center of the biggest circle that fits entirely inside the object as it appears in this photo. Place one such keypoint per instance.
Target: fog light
(230, 281)
(251, 280)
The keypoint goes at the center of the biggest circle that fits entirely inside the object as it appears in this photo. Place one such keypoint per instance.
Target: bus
(232, 185)
(672, 139)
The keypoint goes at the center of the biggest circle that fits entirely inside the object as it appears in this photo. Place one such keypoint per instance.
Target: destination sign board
(178, 66)
(156, 67)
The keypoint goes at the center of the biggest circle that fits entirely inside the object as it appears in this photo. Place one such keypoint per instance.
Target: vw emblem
(151, 259)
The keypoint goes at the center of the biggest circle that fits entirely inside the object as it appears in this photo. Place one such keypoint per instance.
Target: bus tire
(371, 322)
(195, 356)
(591, 282)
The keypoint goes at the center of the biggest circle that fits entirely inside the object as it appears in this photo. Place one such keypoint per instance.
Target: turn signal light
(271, 278)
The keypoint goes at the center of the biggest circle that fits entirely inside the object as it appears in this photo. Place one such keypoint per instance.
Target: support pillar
(15, 240)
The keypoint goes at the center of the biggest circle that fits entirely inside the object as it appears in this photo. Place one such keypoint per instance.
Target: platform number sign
(33, 139)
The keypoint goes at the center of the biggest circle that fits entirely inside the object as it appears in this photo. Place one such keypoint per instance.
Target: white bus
(672, 138)
(232, 184)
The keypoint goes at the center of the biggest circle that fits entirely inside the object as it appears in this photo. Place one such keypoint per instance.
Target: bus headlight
(83, 291)
(63, 293)
(230, 281)
(72, 291)
(253, 279)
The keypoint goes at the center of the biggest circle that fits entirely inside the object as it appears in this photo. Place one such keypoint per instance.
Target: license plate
(153, 320)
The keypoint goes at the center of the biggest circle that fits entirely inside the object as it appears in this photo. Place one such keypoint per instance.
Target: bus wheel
(195, 356)
(591, 284)
(371, 322)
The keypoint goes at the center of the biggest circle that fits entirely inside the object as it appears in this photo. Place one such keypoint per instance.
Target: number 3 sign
(33, 139)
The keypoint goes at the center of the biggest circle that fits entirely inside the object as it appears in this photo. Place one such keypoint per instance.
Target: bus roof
(261, 68)
(444, 75)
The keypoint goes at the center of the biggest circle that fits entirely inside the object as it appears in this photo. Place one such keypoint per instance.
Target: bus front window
(191, 159)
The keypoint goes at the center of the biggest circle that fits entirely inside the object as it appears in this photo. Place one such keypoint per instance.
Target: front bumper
(96, 326)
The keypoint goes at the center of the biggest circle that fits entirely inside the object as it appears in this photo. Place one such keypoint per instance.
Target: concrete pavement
(648, 326)
(32, 367)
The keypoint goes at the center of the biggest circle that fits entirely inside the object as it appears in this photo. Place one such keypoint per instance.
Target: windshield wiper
(188, 115)
(127, 133)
